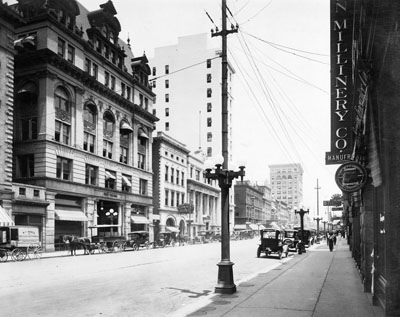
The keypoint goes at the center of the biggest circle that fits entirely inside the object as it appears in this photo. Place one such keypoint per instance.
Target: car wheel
(135, 247)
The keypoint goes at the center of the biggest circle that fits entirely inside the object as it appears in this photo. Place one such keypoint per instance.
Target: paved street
(156, 282)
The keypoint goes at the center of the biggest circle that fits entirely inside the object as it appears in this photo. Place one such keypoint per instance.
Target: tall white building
(287, 183)
(186, 78)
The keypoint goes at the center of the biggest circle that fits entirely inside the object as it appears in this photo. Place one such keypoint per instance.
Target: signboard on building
(332, 202)
(351, 176)
(342, 86)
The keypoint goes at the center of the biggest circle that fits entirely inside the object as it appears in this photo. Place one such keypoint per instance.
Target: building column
(49, 223)
(126, 226)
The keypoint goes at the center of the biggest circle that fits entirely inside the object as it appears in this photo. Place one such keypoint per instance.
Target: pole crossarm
(224, 177)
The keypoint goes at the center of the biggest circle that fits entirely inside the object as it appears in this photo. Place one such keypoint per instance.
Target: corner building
(83, 123)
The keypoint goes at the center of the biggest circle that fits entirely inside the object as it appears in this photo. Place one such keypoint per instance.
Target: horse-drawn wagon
(108, 241)
(20, 242)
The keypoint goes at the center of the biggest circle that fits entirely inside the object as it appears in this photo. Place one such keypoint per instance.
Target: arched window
(124, 131)
(62, 106)
(27, 105)
(142, 148)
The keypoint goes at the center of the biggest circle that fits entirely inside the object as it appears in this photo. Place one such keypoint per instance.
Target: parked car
(138, 239)
(291, 239)
(272, 241)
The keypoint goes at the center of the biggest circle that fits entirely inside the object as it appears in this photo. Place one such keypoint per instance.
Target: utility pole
(226, 283)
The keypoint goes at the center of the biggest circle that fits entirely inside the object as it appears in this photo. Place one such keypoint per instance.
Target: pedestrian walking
(331, 241)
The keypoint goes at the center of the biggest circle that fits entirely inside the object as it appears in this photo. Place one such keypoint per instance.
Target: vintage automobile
(291, 239)
(137, 239)
(165, 239)
(307, 235)
(272, 241)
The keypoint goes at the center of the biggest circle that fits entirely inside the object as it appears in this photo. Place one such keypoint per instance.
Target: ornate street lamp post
(111, 214)
(317, 220)
(224, 176)
(325, 222)
(301, 212)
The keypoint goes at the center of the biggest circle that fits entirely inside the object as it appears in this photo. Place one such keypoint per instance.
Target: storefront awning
(126, 180)
(172, 229)
(110, 175)
(140, 219)
(262, 227)
(239, 227)
(70, 215)
(5, 219)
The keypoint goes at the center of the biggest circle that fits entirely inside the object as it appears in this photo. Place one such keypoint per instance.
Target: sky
(281, 87)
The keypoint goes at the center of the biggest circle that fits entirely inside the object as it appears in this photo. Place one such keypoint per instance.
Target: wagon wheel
(103, 247)
(135, 247)
(38, 252)
(3, 255)
(18, 255)
(116, 246)
(31, 251)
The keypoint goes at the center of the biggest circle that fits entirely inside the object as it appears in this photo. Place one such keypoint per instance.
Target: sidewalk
(317, 283)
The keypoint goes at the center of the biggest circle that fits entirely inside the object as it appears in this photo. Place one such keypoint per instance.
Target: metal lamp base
(225, 278)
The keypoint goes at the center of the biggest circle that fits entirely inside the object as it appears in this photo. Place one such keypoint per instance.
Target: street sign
(332, 202)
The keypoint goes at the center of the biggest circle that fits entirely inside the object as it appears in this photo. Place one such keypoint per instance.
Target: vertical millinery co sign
(341, 82)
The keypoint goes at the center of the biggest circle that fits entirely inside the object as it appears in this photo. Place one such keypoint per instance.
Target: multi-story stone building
(83, 123)
(184, 202)
(187, 80)
(287, 183)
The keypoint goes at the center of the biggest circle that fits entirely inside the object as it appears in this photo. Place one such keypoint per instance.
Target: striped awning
(172, 229)
(253, 226)
(140, 219)
(70, 215)
(5, 219)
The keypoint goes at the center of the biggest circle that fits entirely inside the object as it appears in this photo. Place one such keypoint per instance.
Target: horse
(76, 242)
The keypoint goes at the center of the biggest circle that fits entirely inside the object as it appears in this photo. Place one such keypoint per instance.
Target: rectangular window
(26, 165)
(91, 175)
(166, 126)
(166, 197)
(166, 173)
(209, 78)
(61, 47)
(208, 63)
(166, 83)
(29, 128)
(172, 175)
(209, 107)
(141, 98)
(209, 137)
(197, 175)
(183, 179)
(154, 71)
(146, 103)
(166, 69)
(110, 179)
(209, 151)
(167, 112)
(209, 122)
(166, 97)
(71, 54)
(64, 168)
(106, 79)
(112, 82)
(141, 161)
(123, 89)
(88, 65)
(142, 186)
(95, 70)
(107, 149)
(177, 177)
(209, 92)
(62, 132)
(22, 191)
(88, 142)
(172, 199)
(123, 155)
(128, 92)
